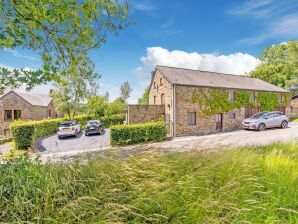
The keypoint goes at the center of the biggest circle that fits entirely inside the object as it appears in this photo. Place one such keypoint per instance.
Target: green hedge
(137, 133)
(25, 133)
(22, 134)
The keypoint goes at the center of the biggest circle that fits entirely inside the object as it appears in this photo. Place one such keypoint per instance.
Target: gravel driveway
(52, 144)
(233, 139)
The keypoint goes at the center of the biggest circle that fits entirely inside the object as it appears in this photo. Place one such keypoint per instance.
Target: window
(278, 114)
(50, 113)
(269, 116)
(192, 118)
(162, 98)
(8, 115)
(160, 81)
(232, 96)
(232, 115)
(154, 100)
(17, 114)
(280, 96)
(253, 97)
(154, 85)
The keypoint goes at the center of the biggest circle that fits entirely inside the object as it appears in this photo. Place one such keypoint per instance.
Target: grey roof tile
(181, 76)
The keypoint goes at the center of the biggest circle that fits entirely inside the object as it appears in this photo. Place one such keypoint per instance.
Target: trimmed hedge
(25, 133)
(137, 133)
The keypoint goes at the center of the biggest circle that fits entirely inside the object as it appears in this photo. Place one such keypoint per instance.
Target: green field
(253, 185)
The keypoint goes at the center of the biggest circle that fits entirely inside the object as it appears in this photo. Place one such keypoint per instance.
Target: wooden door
(249, 111)
(218, 120)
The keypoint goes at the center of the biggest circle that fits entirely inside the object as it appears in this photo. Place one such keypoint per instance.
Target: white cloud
(18, 54)
(285, 28)
(278, 19)
(237, 63)
(142, 5)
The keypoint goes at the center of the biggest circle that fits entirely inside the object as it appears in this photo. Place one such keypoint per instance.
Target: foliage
(115, 107)
(279, 65)
(145, 98)
(96, 106)
(137, 133)
(62, 32)
(22, 134)
(215, 101)
(125, 90)
(247, 185)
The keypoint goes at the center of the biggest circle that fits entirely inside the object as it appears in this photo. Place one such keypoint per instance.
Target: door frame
(220, 122)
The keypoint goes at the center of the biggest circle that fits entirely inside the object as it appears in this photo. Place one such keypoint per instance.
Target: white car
(68, 128)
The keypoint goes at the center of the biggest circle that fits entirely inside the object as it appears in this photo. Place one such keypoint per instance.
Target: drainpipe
(174, 111)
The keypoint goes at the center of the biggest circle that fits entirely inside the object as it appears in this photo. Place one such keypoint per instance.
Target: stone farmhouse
(16, 105)
(171, 91)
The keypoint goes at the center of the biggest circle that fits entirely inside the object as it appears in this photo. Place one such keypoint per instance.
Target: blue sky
(222, 35)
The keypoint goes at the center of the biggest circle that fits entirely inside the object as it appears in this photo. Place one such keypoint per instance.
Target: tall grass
(254, 185)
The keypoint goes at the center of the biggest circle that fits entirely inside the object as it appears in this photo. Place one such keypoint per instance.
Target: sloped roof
(181, 76)
(32, 98)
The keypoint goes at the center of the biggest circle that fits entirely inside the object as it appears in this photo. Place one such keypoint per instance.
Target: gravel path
(52, 144)
(208, 143)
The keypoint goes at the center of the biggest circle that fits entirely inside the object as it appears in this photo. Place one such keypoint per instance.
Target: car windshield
(259, 115)
(93, 122)
(66, 124)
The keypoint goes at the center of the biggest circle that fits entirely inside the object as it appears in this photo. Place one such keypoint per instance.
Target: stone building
(294, 106)
(173, 89)
(16, 105)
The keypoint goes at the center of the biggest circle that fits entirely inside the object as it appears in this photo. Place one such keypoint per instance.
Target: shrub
(138, 133)
(116, 119)
(22, 134)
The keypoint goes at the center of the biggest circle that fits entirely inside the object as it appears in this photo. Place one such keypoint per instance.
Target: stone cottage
(16, 105)
(171, 92)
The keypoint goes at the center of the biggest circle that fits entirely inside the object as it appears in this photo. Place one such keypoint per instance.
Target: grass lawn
(254, 185)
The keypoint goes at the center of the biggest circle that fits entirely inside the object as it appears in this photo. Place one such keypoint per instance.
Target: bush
(22, 134)
(138, 133)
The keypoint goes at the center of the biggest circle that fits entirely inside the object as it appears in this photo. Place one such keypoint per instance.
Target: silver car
(263, 120)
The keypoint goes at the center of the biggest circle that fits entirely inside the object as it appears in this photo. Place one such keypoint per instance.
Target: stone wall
(293, 109)
(204, 124)
(162, 86)
(138, 114)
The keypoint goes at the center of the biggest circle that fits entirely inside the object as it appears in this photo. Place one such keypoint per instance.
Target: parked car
(263, 120)
(68, 128)
(94, 127)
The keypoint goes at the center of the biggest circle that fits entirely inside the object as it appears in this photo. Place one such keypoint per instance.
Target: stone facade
(138, 114)
(204, 124)
(162, 91)
(12, 101)
(293, 111)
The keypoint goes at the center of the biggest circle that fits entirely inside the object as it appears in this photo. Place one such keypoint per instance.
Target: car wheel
(262, 127)
(86, 134)
(284, 124)
(76, 133)
(59, 137)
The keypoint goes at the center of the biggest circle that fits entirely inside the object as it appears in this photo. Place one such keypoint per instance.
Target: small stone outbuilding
(173, 89)
(24, 106)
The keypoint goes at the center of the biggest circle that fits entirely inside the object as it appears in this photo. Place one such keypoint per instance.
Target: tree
(96, 106)
(145, 98)
(115, 107)
(279, 66)
(62, 32)
(125, 90)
